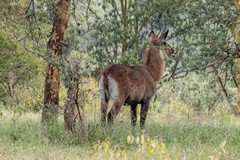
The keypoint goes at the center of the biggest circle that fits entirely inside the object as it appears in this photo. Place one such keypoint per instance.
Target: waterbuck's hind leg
(143, 113)
(104, 107)
(104, 98)
(133, 114)
(114, 111)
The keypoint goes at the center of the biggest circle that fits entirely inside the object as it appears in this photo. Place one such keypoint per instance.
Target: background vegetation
(193, 115)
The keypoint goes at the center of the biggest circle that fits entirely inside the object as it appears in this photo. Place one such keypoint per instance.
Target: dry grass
(185, 135)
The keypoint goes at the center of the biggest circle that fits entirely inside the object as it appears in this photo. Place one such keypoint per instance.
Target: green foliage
(17, 67)
(198, 92)
(6, 45)
(22, 35)
(119, 35)
(207, 39)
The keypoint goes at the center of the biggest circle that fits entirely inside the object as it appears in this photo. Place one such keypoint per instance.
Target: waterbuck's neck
(154, 60)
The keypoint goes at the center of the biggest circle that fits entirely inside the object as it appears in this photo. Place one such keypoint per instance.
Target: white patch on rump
(113, 88)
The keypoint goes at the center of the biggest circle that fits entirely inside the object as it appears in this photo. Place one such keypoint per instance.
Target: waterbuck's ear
(164, 35)
(152, 37)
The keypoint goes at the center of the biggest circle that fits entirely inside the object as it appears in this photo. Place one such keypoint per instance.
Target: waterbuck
(136, 84)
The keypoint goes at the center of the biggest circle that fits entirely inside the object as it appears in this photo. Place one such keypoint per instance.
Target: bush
(197, 92)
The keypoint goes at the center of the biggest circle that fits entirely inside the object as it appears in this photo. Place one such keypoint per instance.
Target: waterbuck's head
(160, 42)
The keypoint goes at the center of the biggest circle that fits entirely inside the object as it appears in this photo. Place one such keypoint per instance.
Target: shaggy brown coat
(136, 84)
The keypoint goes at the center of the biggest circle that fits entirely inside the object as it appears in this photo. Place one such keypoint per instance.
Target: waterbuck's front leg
(143, 113)
(134, 114)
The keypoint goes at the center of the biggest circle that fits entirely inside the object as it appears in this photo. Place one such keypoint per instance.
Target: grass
(196, 137)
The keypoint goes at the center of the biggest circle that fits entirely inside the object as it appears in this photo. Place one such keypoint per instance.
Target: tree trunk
(124, 7)
(52, 79)
(136, 23)
(69, 116)
(237, 39)
(73, 87)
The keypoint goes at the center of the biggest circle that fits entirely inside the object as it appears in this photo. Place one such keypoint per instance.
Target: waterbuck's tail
(103, 85)
(104, 94)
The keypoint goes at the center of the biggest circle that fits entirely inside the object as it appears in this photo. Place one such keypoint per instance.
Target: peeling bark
(52, 78)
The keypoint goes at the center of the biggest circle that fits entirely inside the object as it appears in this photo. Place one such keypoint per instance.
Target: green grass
(197, 137)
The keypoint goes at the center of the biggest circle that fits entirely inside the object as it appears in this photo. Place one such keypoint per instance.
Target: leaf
(144, 145)
(118, 154)
(142, 138)
(162, 148)
(137, 140)
(106, 146)
(222, 145)
(124, 155)
(130, 139)
(150, 150)
(137, 156)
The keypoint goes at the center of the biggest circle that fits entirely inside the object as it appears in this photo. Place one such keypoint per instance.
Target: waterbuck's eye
(164, 43)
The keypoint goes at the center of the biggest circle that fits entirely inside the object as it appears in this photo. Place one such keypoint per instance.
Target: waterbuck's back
(131, 84)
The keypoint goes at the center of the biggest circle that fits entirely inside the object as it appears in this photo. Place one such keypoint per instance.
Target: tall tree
(55, 44)
(237, 39)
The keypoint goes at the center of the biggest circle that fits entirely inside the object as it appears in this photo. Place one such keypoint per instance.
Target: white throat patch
(161, 54)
